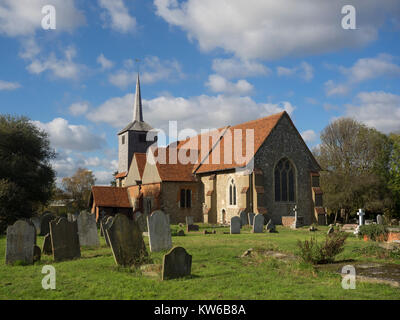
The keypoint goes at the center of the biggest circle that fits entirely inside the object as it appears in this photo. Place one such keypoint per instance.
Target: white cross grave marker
(361, 214)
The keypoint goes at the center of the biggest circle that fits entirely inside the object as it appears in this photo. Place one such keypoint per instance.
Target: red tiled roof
(121, 175)
(114, 197)
(141, 162)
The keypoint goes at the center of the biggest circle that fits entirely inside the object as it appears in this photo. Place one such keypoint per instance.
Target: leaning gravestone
(87, 230)
(379, 219)
(140, 218)
(36, 222)
(270, 227)
(258, 223)
(244, 220)
(105, 224)
(47, 247)
(126, 241)
(64, 239)
(45, 223)
(251, 218)
(159, 231)
(235, 225)
(177, 263)
(21, 239)
(189, 220)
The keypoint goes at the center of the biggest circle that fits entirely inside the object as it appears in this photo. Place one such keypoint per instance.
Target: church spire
(137, 109)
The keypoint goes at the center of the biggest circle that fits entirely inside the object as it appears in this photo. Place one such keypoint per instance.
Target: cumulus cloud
(116, 15)
(236, 68)
(78, 108)
(71, 137)
(198, 112)
(152, 70)
(217, 83)
(377, 109)
(23, 17)
(272, 29)
(309, 136)
(305, 71)
(104, 62)
(332, 88)
(6, 85)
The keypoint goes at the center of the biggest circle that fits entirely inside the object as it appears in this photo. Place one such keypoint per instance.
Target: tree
(355, 159)
(394, 179)
(26, 176)
(78, 187)
(113, 182)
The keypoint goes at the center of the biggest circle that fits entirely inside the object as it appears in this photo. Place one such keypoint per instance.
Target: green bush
(373, 231)
(313, 252)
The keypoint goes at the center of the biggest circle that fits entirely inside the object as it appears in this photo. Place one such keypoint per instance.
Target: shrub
(373, 231)
(313, 252)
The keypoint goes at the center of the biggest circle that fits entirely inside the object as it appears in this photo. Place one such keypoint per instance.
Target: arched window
(285, 181)
(232, 193)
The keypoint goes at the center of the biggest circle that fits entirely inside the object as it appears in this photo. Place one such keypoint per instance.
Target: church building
(270, 173)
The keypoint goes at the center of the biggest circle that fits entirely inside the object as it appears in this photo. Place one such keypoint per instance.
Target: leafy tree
(355, 159)
(78, 187)
(113, 182)
(394, 179)
(26, 176)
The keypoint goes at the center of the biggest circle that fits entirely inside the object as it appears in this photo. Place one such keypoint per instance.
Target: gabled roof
(114, 197)
(141, 159)
(121, 175)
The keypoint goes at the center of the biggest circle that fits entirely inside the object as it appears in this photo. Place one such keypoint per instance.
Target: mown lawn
(218, 272)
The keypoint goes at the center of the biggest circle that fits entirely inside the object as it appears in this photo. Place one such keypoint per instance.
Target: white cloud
(24, 17)
(103, 178)
(152, 70)
(5, 85)
(304, 71)
(217, 83)
(309, 136)
(236, 68)
(199, 112)
(104, 62)
(70, 137)
(64, 68)
(78, 108)
(377, 109)
(331, 88)
(271, 29)
(117, 16)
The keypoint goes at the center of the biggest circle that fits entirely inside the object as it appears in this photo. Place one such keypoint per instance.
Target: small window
(285, 181)
(232, 193)
(123, 139)
(186, 198)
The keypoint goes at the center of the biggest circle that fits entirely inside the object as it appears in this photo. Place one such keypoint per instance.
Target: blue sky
(204, 63)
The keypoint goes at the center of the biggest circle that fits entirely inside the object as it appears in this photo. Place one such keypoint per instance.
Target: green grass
(218, 272)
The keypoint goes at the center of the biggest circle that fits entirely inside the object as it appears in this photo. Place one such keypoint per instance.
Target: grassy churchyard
(218, 271)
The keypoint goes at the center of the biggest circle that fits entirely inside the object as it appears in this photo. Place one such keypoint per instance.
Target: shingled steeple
(137, 108)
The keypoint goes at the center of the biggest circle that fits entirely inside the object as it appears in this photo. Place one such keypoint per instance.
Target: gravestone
(177, 263)
(258, 223)
(192, 227)
(21, 239)
(105, 224)
(379, 219)
(47, 247)
(251, 216)
(270, 227)
(72, 217)
(64, 239)
(45, 223)
(361, 214)
(235, 225)
(126, 241)
(159, 231)
(243, 218)
(189, 220)
(87, 230)
(37, 253)
(36, 222)
(140, 218)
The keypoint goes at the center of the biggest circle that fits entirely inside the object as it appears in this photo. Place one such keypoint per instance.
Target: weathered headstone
(244, 220)
(192, 227)
(235, 225)
(141, 219)
(258, 223)
(45, 223)
(64, 239)
(87, 230)
(47, 247)
(21, 239)
(176, 264)
(36, 222)
(189, 220)
(126, 241)
(270, 227)
(37, 253)
(251, 216)
(379, 219)
(159, 231)
(105, 224)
